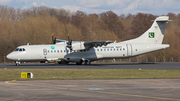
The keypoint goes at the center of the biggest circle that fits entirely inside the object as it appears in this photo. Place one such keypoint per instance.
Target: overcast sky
(155, 7)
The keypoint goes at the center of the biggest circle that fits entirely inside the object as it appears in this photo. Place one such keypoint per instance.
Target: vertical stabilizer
(155, 34)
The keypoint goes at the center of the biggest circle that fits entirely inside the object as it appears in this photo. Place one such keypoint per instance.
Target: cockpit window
(20, 49)
(16, 49)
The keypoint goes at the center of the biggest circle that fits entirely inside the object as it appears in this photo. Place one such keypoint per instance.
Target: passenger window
(114, 49)
(97, 49)
(20, 49)
(54, 51)
(107, 49)
(111, 49)
(48, 51)
(117, 49)
(104, 49)
(123, 48)
(23, 49)
(120, 49)
(61, 51)
(51, 51)
(101, 49)
(64, 50)
(58, 51)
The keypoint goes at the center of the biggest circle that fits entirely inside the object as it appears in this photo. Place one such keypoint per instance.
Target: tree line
(35, 26)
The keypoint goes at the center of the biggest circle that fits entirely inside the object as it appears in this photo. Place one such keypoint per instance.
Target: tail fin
(154, 34)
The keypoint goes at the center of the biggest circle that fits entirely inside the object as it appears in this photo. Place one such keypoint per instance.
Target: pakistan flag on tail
(151, 34)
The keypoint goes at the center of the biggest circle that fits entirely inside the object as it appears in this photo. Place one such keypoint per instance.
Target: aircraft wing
(58, 40)
(96, 44)
(78, 45)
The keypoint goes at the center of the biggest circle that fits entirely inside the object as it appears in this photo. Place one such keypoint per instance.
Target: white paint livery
(86, 52)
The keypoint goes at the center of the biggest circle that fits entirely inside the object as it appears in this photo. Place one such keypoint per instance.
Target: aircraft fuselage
(61, 52)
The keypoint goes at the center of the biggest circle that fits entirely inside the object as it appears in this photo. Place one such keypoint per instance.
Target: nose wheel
(18, 63)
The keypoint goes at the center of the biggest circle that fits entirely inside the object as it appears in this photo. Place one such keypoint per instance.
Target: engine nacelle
(78, 46)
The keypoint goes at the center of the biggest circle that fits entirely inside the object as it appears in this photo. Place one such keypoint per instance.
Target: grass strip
(46, 74)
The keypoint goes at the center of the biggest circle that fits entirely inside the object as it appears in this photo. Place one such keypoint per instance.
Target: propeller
(69, 43)
(53, 40)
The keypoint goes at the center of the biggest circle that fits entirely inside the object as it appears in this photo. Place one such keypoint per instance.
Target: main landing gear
(63, 62)
(86, 62)
(78, 63)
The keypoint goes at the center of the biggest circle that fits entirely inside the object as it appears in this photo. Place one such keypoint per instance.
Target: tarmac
(164, 66)
(91, 90)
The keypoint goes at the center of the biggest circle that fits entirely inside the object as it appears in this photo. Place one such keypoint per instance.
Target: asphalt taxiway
(91, 90)
(165, 66)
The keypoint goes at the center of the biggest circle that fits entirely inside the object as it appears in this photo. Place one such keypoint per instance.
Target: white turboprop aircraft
(86, 52)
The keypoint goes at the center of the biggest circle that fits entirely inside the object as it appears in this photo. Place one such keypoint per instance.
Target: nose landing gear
(18, 63)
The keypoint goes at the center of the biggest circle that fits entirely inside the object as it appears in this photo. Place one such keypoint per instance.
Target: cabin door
(129, 49)
(45, 53)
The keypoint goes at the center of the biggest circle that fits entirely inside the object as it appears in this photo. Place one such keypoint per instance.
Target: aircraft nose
(9, 56)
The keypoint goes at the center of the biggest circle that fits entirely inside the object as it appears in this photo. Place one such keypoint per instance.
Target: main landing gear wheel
(63, 62)
(78, 63)
(87, 62)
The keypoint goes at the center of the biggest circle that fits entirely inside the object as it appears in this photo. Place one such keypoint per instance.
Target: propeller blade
(68, 40)
(69, 43)
(52, 39)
